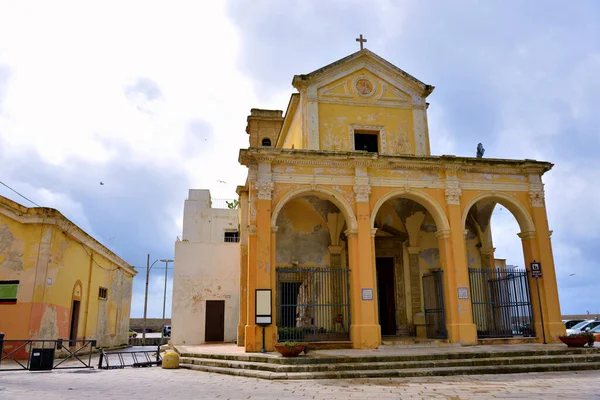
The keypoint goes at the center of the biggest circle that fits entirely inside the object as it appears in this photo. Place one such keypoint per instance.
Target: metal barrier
(135, 359)
(40, 355)
(313, 304)
(433, 301)
(501, 303)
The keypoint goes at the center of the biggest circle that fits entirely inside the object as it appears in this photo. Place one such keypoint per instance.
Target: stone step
(324, 359)
(387, 365)
(399, 373)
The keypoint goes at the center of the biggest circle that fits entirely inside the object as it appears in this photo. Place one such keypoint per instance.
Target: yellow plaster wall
(342, 106)
(293, 139)
(53, 269)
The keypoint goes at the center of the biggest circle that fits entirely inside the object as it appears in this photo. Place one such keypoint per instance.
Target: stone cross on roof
(361, 41)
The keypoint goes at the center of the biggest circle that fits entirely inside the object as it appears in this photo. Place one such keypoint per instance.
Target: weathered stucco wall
(54, 268)
(204, 271)
(302, 233)
(201, 223)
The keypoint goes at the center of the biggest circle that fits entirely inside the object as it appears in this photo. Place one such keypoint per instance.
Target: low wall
(154, 324)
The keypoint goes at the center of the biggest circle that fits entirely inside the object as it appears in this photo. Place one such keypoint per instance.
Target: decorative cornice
(382, 161)
(53, 217)
(453, 195)
(264, 189)
(527, 235)
(536, 198)
(362, 193)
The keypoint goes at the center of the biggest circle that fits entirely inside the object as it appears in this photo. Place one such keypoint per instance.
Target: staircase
(380, 366)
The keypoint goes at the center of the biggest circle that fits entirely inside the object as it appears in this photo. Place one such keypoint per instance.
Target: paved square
(157, 383)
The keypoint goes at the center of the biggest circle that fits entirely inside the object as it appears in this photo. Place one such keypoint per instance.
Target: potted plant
(578, 339)
(290, 349)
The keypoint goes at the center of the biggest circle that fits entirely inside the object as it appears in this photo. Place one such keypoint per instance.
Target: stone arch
(518, 210)
(331, 195)
(432, 206)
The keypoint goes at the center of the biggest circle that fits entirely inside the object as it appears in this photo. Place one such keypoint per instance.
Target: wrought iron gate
(433, 299)
(501, 303)
(313, 304)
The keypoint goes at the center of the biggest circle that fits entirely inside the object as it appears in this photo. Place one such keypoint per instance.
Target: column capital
(264, 189)
(486, 250)
(351, 233)
(443, 234)
(274, 229)
(453, 195)
(252, 230)
(373, 232)
(527, 234)
(413, 249)
(536, 198)
(336, 249)
(362, 192)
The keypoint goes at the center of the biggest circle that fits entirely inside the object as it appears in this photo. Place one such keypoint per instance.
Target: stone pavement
(157, 383)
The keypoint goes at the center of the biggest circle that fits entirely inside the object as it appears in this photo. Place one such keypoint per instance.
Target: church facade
(358, 232)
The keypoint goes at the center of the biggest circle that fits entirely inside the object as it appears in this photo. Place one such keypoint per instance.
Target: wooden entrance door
(386, 295)
(74, 322)
(215, 321)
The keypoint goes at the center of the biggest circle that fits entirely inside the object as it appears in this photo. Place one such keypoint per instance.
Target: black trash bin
(41, 359)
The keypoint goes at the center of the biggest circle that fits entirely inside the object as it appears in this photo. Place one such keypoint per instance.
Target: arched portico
(321, 192)
(434, 208)
(517, 209)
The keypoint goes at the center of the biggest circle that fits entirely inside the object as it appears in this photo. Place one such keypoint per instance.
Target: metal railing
(38, 355)
(135, 359)
(501, 303)
(313, 304)
(433, 301)
(223, 203)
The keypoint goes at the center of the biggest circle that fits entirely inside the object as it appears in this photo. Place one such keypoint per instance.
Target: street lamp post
(148, 268)
(166, 261)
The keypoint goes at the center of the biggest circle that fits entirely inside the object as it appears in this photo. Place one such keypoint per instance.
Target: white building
(206, 273)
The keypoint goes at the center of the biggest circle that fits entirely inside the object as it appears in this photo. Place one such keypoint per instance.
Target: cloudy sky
(151, 99)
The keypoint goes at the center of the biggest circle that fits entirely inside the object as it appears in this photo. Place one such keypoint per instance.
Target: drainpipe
(89, 289)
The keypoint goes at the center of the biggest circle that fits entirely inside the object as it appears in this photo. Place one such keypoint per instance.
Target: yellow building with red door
(57, 282)
(359, 232)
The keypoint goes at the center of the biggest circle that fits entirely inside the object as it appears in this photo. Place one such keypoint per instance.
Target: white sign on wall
(463, 293)
(367, 294)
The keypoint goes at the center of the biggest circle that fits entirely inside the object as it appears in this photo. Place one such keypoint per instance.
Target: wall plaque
(463, 293)
(367, 294)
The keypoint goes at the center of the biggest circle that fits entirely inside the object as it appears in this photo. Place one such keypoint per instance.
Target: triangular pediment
(364, 85)
(330, 83)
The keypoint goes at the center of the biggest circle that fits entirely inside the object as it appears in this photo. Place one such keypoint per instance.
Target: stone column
(487, 257)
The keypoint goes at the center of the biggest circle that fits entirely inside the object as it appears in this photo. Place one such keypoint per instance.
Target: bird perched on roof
(480, 150)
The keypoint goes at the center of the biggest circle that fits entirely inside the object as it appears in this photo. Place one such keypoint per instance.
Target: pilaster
(365, 331)
(415, 280)
(453, 257)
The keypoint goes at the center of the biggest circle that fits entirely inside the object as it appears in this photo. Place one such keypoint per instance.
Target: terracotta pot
(290, 351)
(574, 341)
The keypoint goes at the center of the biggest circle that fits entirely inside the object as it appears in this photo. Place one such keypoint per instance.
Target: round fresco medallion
(364, 87)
